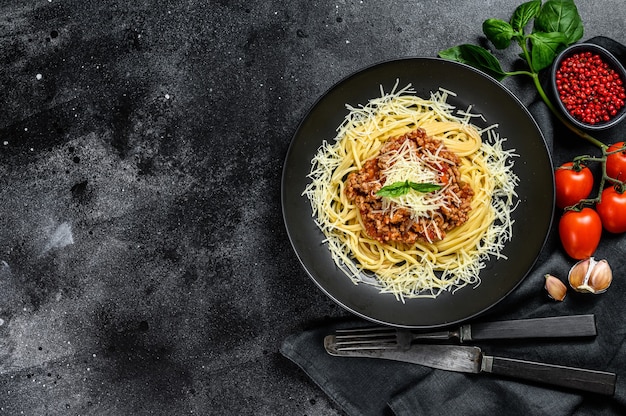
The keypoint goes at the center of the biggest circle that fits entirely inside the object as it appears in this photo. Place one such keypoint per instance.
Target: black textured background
(144, 266)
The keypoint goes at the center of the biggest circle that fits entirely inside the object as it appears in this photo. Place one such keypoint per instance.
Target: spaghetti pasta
(423, 268)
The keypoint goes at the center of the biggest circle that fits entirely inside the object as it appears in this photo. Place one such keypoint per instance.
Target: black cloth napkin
(362, 386)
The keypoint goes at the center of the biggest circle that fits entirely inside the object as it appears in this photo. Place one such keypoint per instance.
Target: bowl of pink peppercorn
(589, 85)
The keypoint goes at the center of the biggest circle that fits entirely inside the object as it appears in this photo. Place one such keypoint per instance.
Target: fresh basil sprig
(397, 189)
(556, 24)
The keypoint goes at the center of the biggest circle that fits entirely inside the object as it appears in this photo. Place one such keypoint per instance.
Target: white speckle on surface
(6, 143)
(4, 269)
(39, 76)
(60, 238)
(167, 96)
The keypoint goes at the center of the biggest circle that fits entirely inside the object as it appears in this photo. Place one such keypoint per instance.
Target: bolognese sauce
(391, 221)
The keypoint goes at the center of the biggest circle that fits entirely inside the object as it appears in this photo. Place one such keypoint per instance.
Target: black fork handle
(552, 327)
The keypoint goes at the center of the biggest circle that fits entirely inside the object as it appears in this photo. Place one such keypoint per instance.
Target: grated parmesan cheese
(424, 269)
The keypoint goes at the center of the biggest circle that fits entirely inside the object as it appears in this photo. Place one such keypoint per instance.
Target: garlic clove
(590, 276)
(579, 274)
(601, 276)
(555, 288)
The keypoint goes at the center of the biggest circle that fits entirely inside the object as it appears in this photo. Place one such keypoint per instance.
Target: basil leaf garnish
(397, 189)
(424, 187)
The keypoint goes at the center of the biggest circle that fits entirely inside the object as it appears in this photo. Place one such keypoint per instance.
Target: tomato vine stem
(604, 178)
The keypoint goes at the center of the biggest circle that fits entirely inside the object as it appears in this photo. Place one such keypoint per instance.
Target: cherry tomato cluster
(580, 227)
(589, 88)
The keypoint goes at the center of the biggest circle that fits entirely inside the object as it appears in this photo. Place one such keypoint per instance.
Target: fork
(378, 338)
(381, 337)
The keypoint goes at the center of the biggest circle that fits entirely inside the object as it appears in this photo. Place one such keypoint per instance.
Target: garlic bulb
(555, 288)
(590, 276)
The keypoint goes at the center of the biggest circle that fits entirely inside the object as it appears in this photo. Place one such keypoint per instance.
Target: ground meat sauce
(398, 224)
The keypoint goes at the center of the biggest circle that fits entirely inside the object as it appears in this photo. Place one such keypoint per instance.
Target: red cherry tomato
(616, 162)
(612, 210)
(580, 232)
(572, 184)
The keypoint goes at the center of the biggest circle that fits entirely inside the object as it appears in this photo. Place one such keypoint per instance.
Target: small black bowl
(607, 57)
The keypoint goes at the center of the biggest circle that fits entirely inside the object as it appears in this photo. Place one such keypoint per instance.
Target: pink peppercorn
(589, 88)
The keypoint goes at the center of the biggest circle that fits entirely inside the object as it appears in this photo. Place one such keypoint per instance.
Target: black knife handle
(575, 378)
(553, 327)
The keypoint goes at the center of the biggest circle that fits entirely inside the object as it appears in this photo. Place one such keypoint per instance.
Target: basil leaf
(544, 48)
(498, 32)
(397, 189)
(424, 187)
(479, 58)
(560, 16)
(524, 13)
(394, 190)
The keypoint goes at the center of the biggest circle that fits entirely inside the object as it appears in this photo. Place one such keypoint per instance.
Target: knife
(469, 359)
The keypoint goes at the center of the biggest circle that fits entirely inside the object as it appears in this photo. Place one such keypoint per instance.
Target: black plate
(532, 217)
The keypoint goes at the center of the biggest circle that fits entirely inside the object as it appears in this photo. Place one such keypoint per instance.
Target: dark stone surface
(144, 266)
